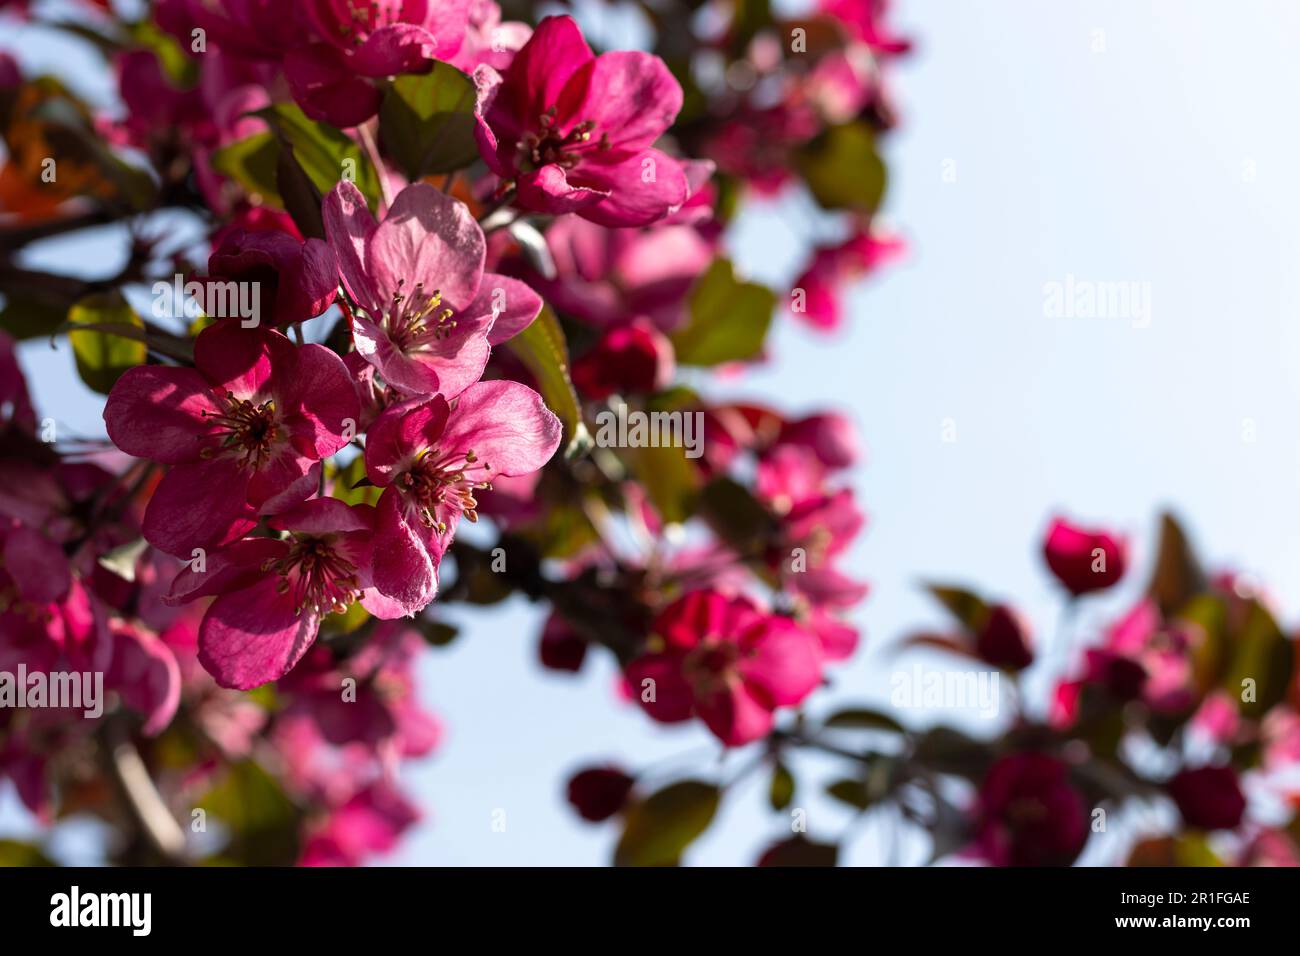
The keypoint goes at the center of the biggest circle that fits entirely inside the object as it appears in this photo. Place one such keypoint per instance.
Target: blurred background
(1108, 140)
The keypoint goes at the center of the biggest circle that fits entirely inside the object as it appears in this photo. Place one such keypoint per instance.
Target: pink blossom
(833, 267)
(726, 661)
(244, 431)
(574, 132)
(428, 313)
(432, 458)
(359, 42)
(273, 592)
(488, 41)
(297, 280)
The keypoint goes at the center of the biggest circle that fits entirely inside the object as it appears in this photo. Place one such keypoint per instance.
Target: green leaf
(658, 829)
(852, 793)
(27, 317)
(326, 155)
(669, 477)
(966, 606)
(843, 170)
(262, 820)
(1262, 655)
(301, 198)
(1177, 577)
(781, 790)
(18, 853)
(736, 516)
(122, 559)
(542, 348)
(798, 850)
(102, 356)
(252, 163)
(426, 121)
(728, 319)
(345, 486)
(860, 719)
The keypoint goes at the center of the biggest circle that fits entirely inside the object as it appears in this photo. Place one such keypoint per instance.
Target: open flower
(273, 592)
(728, 662)
(574, 131)
(432, 458)
(244, 431)
(429, 314)
(330, 79)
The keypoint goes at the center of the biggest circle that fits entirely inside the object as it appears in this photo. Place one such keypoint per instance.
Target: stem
(141, 796)
(372, 153)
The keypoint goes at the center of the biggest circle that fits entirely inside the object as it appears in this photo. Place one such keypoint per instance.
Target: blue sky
(1122, 141)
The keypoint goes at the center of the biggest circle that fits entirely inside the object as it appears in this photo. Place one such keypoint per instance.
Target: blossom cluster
(437, 247)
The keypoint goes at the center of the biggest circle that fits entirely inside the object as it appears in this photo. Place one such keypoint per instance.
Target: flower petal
(512, 304)
(348, 227)
(430, 238)
(198, 505)
(156, 412)
(506, 425)
(253, 636)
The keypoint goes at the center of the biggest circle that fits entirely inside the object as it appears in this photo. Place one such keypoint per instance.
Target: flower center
(414, 321)
(318, 576)
(709, 664)
(357, 19)
(439, 485)
(549, 145)
(248, 431)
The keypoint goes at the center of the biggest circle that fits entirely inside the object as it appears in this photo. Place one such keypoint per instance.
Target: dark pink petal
(157, 413)
(282, 482)
(254, 636)
(692, 618)
(735, 715)
(392, 49)
(518, 305)
(430, 238)
(37, 565)
(318, 401)
(506, 425)
(145, 673)
(642, 189)
(325, 87)
(321, 516)
(403, 568)
(348, 227)
(231, 568)
(198, 505)
(630, 96)
(537, 75)
(401, 434)
(548, 190)
(310, 285)
(783, 664)
(238, 359)
(659, 676)
(487, 83)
